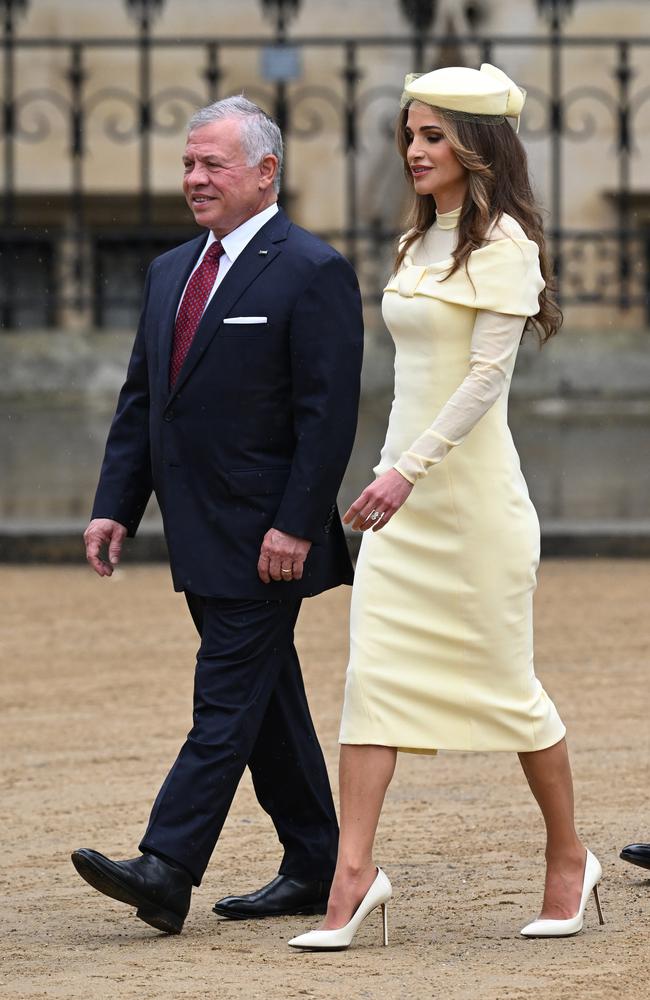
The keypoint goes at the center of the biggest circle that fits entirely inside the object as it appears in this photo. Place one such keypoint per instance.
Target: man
(239, 411)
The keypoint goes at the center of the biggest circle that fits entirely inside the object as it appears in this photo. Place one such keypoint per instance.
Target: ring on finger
(375, 515)
(286, 572)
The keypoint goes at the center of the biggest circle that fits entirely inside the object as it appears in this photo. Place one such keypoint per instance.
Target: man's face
(219, 186)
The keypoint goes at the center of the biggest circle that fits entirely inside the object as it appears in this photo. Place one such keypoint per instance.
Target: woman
(441, 620)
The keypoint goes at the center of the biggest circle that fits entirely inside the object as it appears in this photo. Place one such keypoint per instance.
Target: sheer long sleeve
(495, 338)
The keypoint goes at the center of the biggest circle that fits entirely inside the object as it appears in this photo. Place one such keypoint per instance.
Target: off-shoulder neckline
(448, 261)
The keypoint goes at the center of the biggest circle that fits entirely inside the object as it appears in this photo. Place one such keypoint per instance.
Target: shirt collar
(239, 238)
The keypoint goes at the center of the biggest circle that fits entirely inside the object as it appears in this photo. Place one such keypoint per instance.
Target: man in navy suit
(239, 411)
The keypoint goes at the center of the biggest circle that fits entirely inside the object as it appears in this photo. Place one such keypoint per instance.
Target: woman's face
(435, 169)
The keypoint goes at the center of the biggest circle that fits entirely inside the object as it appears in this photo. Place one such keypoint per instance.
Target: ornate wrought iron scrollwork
(388, 118)
(536, 118)
(113, 127)
(177, 103)
(638, 100)
(346, 102)
(41, 128)
(589, 126)
(314, 119)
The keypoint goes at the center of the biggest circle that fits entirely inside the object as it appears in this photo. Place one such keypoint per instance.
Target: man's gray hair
(259, 133)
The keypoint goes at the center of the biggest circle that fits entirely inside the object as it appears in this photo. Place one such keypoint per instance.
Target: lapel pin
(262, 253)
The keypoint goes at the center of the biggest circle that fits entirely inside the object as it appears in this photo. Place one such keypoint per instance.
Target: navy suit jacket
(258, 429)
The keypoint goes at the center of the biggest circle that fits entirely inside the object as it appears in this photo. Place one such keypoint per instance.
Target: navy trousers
(250, 708)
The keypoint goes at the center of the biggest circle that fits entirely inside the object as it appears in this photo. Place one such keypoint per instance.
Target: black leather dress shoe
(637, 854)
(160, 892)
(282, 897)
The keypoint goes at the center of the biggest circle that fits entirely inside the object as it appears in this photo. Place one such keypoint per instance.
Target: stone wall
(580, 412)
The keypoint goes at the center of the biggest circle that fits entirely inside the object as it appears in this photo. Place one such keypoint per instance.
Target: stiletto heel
(563, 928)
(378, 895)
(601, 919)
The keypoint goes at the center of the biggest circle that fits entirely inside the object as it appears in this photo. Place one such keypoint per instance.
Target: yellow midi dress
(441, 630)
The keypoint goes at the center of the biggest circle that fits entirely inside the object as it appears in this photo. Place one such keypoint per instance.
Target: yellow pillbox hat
(487, 91)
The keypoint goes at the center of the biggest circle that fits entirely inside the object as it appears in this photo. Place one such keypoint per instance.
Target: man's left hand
(282, 556)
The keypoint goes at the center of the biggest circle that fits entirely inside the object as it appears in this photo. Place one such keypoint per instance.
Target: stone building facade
(109, 170)
(92, 176)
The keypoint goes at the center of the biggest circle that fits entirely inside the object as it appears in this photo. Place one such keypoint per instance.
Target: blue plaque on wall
(281, 63)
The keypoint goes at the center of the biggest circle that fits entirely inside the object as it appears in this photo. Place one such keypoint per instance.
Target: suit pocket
(258, 482)
(245, 330)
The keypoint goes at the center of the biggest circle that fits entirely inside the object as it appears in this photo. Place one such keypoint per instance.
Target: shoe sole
(338, 947)
(304, 911)
(162, 920)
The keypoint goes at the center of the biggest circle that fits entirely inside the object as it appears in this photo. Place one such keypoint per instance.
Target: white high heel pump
(563, 928)
(378, 895)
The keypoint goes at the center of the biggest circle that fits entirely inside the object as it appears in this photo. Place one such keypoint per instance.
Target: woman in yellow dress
(441, 647)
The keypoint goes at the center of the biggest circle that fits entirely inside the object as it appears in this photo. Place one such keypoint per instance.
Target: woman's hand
(378, 502)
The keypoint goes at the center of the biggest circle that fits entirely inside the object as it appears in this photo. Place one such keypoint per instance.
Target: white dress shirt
(233, 244)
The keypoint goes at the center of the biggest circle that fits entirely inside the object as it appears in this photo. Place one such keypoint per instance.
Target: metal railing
(76, 252)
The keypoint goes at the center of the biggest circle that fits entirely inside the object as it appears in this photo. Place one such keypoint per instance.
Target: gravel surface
(96, 699)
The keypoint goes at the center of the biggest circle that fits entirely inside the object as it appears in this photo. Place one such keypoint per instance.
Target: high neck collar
(449, 220)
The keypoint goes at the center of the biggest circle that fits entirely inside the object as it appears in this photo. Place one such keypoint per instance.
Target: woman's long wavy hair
(498, 182)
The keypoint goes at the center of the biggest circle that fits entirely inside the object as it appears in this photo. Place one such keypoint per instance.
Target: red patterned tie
(192, 306)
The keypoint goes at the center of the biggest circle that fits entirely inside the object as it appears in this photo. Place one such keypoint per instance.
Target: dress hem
(544, 745)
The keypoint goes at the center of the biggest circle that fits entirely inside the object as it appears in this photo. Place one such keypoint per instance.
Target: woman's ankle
(565, 853)
(354, 870)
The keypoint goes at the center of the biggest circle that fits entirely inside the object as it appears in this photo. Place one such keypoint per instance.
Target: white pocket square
(246, 319)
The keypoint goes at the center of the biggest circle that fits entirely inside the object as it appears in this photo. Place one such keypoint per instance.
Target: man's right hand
(102, 531)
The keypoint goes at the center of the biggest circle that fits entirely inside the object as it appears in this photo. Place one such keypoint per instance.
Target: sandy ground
(96, 688)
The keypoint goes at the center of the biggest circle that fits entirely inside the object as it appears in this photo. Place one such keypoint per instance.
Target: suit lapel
(187, 257)
(248, 266)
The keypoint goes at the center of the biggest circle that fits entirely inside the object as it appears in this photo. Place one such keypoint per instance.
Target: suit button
(168, 416)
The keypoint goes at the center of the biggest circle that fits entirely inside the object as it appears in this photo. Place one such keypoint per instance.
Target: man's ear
(268, 171)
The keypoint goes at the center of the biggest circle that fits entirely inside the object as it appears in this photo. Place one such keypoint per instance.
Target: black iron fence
(76, 249)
